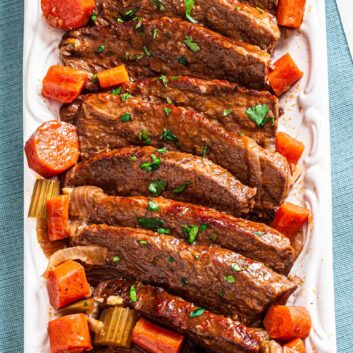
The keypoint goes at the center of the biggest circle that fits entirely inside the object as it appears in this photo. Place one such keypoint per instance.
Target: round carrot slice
(68, 14)
(53, 148)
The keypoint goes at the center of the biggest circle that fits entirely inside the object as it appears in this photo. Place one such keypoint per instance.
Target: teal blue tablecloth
(11, 213)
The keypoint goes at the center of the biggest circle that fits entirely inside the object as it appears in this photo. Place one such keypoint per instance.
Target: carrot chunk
(58, 217)
(290, 13)
(63, 83)
(69, 334)
(289, 219)
(289, 147)
(284, 75)
(53, 148)
(68, 14)
(297, 345)
(67, 283)
(113, 77)
(286, 323)
(156, 339)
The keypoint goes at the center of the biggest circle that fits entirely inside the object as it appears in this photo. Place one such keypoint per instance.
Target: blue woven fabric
(11, 205)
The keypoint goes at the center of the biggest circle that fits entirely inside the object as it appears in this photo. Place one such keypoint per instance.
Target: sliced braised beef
(165, 46)
(228, 17)
(215, 278)
(216, 333)
(268, 5)
(102, 126)
(89, 204)
(224, 102)
(146, 171)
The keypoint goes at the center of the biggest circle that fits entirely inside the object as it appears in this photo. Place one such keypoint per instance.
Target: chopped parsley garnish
(221, 293)
(229, 278)
(258, 114)
(168, 136)
(183, 60)
(158, 4)
(241, 133)
(157, 187)
(197, 312)
(154, 33)
(260, 9)
(125, 96)
(167, 110)
(164, 79)
(139, 56)
(227, 112)
(189, 4)
(259, 234)
(152, 206)
(163, 231)
(204, 151)
(93, 16)
(101, 48)
(142, 242)
(194, 47)
(191, 232)
(236, 268)
(168, 100)
(203, 226)
(116, 259)
(150, 222)
(144, 137)
(116, 91)
(133, 295)
(85, 304)
(119, 20)
(149, 166)
(236, 8)
(147, 51)
(126, 117)
(171, 259)
(213, 236)
(133, 158)
(139, 22)
(184, 281)
(95, 78)
(235, 88)
(129, 14)
(175, 78)
(162, 150)
(182, 187)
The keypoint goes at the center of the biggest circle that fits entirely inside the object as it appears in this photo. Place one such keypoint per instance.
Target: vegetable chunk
(68, 14)
(286, 323)
(63, 83)
(156, 339)
(289, 147)
(53, 148)
(67, 283)
(285, 74)
(297, 345)
(58, 217)
(289, 219)
(69, 334)
(113, 77)
(290, 13)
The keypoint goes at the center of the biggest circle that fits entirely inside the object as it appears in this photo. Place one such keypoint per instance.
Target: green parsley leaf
(168, 100)
(139, 22)
(171, 259)
(158, 4)
(163, 231)
(214, 236)
(142, 242)
(182, 187)
(203, 226)
(147, 51)
(259, 234)
(167, 110)
(168, 136)
(125, 96)
(241, 133)
(85, 304)
(236, 8)
(139, 56)
(154, 33)
(191, 232)
(157, 187)
(150, 222)
(126, 117)
(258, 114)
(164, 79)
(197, 312)
(119, 20)
(133, 158)
(133, 295)
(129, 14)
(95, 78)
(101, 48)
(149, 166)
(175, 78)
(144, 137)
(236, 268)
(183, 60)
(116, 91)
(116, 259)
(184, 281)
(229, 278)
(162, 150)
(204, 151)
(227, 112)
(235, 88)
(93, 16)
(194, 47)
(189, 4)
(152, 206)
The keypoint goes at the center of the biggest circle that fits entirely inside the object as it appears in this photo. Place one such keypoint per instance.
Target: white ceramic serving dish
(306, 117)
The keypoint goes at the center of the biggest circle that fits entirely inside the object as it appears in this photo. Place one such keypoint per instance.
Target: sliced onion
(95, 326)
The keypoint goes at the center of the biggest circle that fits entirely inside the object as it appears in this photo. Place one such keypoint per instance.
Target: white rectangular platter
(306, 118)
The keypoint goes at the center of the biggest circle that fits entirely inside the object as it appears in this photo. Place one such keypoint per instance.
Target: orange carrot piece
(297, 345)
(155, 339)
(63, 83)
(68, 14)
(289, 219)
(58, 217)
(284, 75)
(113, 77)
(289, 147)
(53, 148)
(69, 333)
(67, 283)
(286, 323)
(290, 13)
